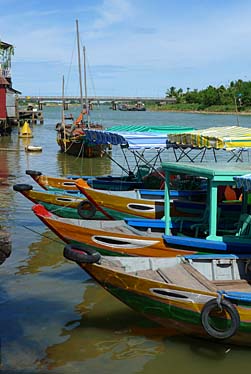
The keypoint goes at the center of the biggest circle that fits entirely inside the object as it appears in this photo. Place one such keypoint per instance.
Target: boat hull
(63, 205)
(109, 240)
(172, 312)
(79, 148)
(116, 207)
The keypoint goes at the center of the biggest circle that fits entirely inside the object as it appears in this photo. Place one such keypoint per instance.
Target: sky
(133, 47)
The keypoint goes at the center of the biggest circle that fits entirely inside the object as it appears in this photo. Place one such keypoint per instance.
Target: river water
(56, 319)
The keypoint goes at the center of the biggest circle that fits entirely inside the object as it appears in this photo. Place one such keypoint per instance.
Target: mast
(79, 70)
(86, 99)
(63, 120)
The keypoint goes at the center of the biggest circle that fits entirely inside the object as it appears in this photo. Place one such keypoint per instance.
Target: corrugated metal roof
(4, 45)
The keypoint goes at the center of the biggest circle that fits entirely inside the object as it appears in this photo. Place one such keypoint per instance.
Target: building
(8, 102)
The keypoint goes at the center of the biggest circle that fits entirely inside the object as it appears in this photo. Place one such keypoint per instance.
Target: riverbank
(199, 112)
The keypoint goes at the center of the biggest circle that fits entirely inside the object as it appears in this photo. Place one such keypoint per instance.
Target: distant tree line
(236, 96)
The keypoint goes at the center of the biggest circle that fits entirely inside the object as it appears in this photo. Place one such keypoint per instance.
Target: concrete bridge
(45, 99)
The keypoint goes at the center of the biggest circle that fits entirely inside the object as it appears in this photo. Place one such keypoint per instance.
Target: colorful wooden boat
(120, 205)
(68, 183)
(64, 205)
(52, 183)
(124, 183)
(107, 237)
(207, 296)
(138, 203)
(219, 229)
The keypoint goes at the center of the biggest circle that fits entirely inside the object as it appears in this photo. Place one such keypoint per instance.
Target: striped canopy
(132, 140)
(228, 137)
(244, 182)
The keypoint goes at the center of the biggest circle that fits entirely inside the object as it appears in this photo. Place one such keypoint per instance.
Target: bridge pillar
(114, 105)
(40, 105)
(66, 106)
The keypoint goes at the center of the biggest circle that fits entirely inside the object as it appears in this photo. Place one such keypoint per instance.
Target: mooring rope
(43, 235)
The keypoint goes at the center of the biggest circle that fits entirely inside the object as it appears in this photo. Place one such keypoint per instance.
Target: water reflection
(82, 166)
(47, 252)
(107, 330)
(108, 334)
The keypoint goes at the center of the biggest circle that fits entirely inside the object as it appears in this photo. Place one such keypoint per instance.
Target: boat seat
(201, 219)
(185, 275)
(196, 223)
(204, 226)
(243, 227)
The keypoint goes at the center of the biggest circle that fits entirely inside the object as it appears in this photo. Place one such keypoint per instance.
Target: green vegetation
(234, 98)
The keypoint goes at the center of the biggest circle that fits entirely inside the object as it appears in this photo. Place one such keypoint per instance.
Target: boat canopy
(131, 140)
(227, 137)
(244, 182)
(166, 129)
(195, 144)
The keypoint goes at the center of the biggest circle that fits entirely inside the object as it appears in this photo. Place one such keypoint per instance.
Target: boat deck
(185, 275)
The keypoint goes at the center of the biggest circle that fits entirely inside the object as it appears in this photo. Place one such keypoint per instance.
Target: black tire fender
(86, 209)
(21, 187)
(230, 309)
(33, 173)
(82, 255)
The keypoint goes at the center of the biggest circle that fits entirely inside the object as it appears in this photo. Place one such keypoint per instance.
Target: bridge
(93, 99)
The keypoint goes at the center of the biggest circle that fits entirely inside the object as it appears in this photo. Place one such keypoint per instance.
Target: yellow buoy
(25, 131)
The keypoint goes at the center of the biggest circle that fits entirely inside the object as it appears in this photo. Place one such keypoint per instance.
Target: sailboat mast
(63, 120)
(86, 98)
(79, 69)
(63, 103)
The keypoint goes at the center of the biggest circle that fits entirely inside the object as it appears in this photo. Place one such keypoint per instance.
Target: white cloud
(112, 12)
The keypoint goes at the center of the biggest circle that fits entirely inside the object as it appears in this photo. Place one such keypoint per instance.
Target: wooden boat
(71, 137)
(69, 184)
(138, 203)
(120, 205)
(64, 205)
(107, 237)
(25, 131)
(218, 229)
(100, 182)
(142, 177)
(207, 296)
(52, 183)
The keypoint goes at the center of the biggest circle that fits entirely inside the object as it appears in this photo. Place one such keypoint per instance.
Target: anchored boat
(207, 296)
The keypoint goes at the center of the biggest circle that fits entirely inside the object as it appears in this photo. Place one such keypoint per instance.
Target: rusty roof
(3, 81)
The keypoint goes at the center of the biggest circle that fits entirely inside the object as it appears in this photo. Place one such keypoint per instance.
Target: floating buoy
(33, 148)
(25, 131)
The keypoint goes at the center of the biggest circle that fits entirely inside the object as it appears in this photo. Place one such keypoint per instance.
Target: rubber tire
(33, 173)
(21, 187)
(81, 255)
(83, 210)
(231, 310)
